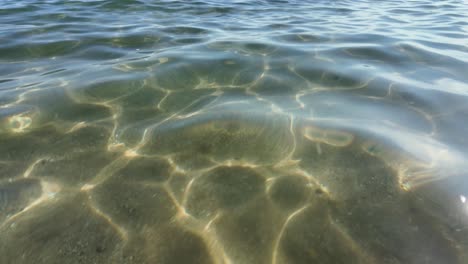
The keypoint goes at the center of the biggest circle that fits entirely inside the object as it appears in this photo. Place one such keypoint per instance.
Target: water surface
(233, 132)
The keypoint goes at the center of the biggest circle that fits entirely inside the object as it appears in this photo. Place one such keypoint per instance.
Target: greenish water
(233, 132)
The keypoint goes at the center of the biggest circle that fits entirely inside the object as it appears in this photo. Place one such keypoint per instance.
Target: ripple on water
(16, 119)
(80, 235)
(298, 243)
(223, 188)
(134, 206)
(176, 245)
(225, 136)
(233, 132)
(16, 195)
(290, 192)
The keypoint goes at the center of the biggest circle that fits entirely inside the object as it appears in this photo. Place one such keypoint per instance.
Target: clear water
(233, 132)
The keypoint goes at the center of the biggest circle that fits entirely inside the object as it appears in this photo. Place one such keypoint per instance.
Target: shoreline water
(233, 132)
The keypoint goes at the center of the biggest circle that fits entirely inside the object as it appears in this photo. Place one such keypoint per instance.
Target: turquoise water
(233, 132)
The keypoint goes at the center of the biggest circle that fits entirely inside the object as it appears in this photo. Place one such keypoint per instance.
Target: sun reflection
(331, 137)
(131, 153)
(463, 198)
(19, 123)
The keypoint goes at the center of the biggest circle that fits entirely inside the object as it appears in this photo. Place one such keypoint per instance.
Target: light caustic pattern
(233, 176)
(232, 132)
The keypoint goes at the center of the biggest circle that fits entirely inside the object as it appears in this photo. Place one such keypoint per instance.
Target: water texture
(234, 131)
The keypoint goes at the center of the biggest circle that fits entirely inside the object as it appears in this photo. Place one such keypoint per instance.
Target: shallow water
(241, 132)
